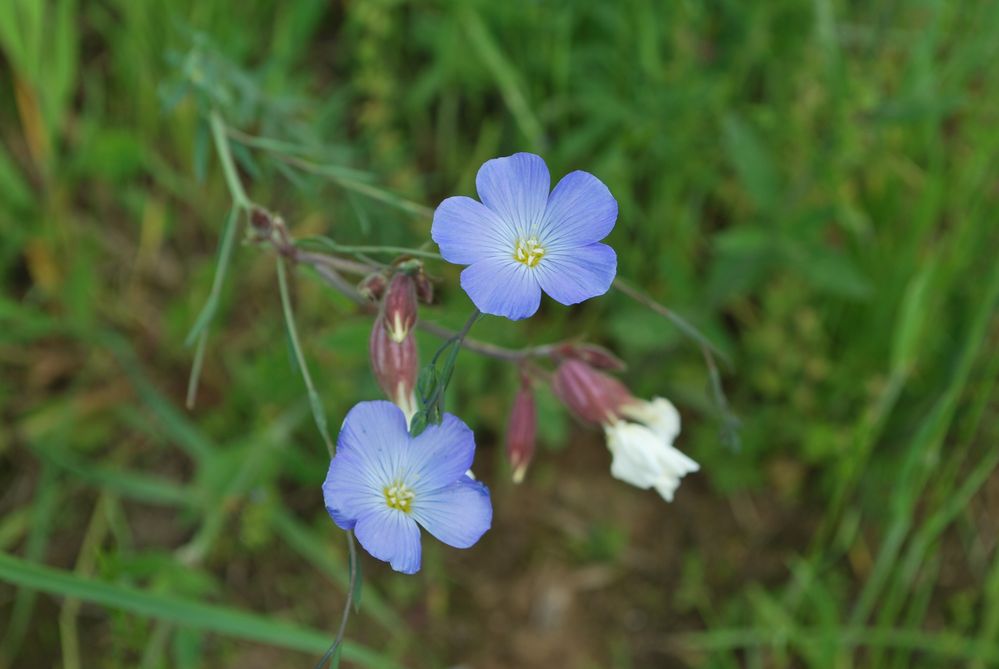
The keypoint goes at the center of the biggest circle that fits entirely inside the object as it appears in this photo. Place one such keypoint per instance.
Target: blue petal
(440, 455)
(458, 514)
(580, 211)
(466, 231)
(392, 536)
(572, 275)
(350, 490)
(377, 434)
(515, 187)
(371, 450)
(502, 287)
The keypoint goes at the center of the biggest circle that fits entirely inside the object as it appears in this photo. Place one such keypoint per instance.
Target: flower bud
(262, 223)
(400, 306)
(521, 432)
(395, 365)
(590, 394)
(424, 287)
(593, 355)
(373, 286)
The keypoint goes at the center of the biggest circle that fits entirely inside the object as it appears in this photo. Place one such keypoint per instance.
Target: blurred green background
(813, 184)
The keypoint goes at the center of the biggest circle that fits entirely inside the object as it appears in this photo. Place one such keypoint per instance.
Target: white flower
(643, 453)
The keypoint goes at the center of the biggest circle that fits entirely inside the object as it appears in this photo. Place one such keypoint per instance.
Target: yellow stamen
(528, 251)
(399, 496)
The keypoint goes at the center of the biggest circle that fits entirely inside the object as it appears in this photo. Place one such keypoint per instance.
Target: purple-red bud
(373, 286)
(590, 394)
(521, 433)
(395, 365)
(593, 355)
(424, 287)
(261, 222)
(400, 306)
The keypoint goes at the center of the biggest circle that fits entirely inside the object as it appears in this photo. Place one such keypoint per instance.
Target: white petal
(659, 414)
(642, 458)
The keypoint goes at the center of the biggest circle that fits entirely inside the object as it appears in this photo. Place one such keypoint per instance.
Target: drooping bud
(261, 223)
(424, 287)
(395, 365)
(373, 286)
(400, 306)
(521, 431)
(593, 355)
(590, 394)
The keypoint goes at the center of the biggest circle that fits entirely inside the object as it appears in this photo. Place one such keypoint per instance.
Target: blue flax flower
(382, 482)
(521, 239)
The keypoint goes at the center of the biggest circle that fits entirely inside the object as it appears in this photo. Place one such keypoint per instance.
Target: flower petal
(466, 231)
(644, 461)
(572, 275)
(440, 455)
(659, 414)
(377, 434)
(634, 449)
(515, 187)
(392, 536)
(502, 287)
(458, 514)
(580, 211)
(351, 489)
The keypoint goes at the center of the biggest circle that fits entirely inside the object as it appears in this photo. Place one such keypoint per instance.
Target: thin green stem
(199, 331)
(318, 412)
(352, 552)
(344, 248)
(452, 345)
(729, 421)
(218, 127)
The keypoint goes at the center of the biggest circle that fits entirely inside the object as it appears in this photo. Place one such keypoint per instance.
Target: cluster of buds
(392, 346)
(639, 433)
(374, 286)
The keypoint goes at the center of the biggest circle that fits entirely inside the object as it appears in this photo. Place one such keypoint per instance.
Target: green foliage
(811, 184)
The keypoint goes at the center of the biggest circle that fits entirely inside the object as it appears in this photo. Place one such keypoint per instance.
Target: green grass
(810, 184)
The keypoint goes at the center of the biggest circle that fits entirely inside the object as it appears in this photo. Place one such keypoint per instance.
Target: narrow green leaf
(192, 614)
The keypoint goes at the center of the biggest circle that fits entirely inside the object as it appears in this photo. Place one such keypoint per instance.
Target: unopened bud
(373, 286)
(590, 394)
(261, 222)
(521, 432)
(593, 355)
(395, 365)
(400, 306)
(424, 287)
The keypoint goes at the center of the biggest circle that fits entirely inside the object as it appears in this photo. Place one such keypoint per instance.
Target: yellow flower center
(399, 496)
(528, 251)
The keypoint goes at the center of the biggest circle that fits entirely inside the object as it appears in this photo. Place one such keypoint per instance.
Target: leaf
(913, 317)
(753, 163)
(192, 614)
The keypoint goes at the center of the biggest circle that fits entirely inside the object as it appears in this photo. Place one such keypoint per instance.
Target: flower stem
(318, 412)
(344, 248)
(239, 197)
(352, 585)
(729, 421)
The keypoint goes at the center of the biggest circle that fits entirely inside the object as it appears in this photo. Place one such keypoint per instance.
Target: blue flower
(383, 482)
(521, 240)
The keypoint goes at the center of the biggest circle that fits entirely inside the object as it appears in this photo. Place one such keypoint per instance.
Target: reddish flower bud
(521, 432)
(400, 306)
(590, 394)
(395, 365)
(424, 288)
(593, 355)
(261, 222)
(373, 286)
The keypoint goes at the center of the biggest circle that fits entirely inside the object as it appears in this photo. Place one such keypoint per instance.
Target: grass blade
(198, 615)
